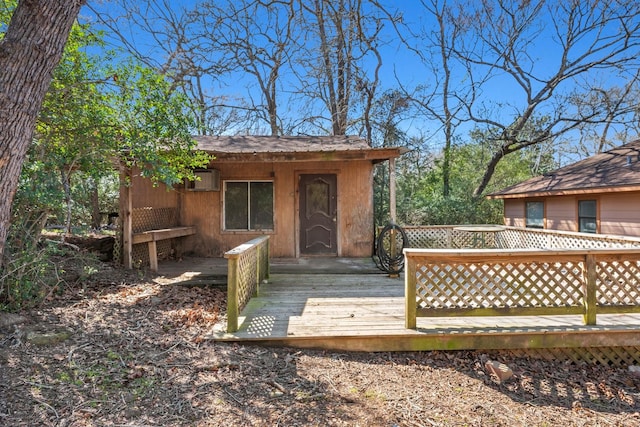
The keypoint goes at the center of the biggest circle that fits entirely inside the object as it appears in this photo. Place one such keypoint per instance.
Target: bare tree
(577, 41)
(342, 36)
(29, 52)
(249, 41)
(619, 105)
(256, 38)
(167, 36)
(444, 97)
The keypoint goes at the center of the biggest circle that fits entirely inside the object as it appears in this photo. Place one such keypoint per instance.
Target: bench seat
(152, 236)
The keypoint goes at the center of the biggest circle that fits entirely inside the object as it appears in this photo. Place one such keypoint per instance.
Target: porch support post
(392, 189)
(392, 209)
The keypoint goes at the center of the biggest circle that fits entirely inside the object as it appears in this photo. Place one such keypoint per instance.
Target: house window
(248, 205)
(587, 220)
(535, 215)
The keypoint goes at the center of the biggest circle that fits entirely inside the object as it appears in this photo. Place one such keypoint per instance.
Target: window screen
(248, 205)
(587, 216)
(535, 214)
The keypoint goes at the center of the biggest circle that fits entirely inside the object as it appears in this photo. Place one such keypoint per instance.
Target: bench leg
(153, 256)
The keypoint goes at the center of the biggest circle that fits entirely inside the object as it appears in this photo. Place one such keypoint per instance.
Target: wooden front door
(318, 214)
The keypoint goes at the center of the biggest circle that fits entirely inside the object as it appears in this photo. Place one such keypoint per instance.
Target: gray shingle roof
(616, 168)
(279, 144)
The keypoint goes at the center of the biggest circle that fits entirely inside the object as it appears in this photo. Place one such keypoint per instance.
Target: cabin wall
(146, 195)
(204, 209)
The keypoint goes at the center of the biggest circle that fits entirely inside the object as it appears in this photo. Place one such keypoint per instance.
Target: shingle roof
(616, 168)
(279, 144)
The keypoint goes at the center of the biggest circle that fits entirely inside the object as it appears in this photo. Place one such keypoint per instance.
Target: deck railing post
(259, 267)
(232, 295)
(267, 271)
(410, 292)
(590, 290)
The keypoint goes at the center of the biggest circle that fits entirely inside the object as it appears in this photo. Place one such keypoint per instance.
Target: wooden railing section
(247, 267)
(531, 274)
(506, 237)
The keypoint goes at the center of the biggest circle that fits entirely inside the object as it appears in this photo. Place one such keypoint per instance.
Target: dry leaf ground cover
(122, 350)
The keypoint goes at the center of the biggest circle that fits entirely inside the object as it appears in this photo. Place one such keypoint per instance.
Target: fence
(505, 237)
(247, 266)
(544, 277)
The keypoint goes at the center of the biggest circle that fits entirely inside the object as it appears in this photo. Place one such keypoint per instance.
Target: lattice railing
(618, 284)
(472, 282)
(145, 219)
(505, 237)
(429, 236)
(612, 356)
(513, 237)
(248, 266)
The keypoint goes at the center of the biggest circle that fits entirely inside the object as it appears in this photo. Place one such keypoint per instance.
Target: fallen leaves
(137, 355)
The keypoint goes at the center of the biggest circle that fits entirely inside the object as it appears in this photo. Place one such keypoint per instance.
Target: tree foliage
(96, 113)
(483, 92)
(30, 49)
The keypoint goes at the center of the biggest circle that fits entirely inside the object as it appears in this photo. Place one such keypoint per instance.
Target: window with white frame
(534, 215)
(587, 216)
(248, 205)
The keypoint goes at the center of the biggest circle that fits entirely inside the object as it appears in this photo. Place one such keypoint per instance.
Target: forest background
(484, 93)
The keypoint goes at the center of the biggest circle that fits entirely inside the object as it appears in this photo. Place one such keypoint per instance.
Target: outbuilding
(313, 195)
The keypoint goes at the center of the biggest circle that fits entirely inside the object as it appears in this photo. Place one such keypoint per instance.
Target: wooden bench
(152, 236)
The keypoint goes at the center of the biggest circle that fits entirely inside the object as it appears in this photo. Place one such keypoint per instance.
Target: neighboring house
(600, 194)
(312, 195)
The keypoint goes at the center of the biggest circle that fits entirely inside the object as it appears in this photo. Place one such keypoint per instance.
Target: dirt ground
(123, 350)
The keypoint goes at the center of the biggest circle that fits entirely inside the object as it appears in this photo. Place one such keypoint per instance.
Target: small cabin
(600, 194)
(313, 195)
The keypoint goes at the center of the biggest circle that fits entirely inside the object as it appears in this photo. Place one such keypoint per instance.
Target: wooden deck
(364, 311)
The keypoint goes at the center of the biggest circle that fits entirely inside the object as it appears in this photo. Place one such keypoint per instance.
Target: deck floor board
(366, 313)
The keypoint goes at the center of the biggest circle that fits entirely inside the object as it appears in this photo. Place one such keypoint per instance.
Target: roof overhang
(567, 192)
(248, 148)
(374, 155)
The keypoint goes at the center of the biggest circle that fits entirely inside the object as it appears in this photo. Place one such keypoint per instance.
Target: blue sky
(501, 95)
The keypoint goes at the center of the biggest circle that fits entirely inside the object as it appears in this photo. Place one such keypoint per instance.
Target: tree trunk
(65, 179)
(486, 177)
(96, 217)
(29, 52)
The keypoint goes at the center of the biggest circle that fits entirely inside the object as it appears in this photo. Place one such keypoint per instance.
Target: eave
(374, 155)
(566, 192)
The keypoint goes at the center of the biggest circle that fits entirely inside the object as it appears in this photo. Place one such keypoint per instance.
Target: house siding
(618, 213)
(355, 208)
(561, 213)
(514, 212)
(157, 197)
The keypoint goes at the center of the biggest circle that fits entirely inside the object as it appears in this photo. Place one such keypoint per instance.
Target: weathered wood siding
(145, 195)
(355, 207)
